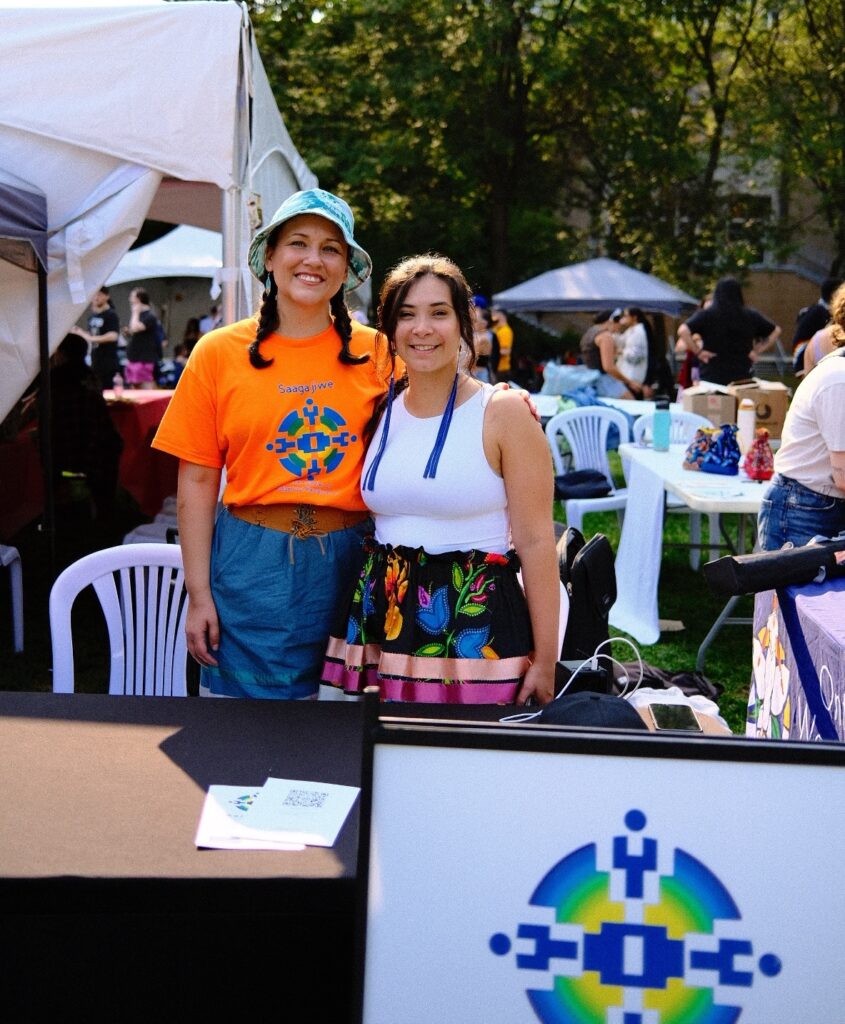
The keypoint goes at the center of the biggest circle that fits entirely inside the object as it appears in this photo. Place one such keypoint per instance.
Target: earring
(268, 281)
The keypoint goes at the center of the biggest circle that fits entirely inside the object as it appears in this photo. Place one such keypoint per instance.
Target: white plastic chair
(585, 430)
(11, 557)
(682, 431)
(141, 588)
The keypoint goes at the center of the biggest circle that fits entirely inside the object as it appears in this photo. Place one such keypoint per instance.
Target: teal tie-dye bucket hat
(322, 204)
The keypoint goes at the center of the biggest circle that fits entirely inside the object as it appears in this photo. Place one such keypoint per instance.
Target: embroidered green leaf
(430, 650)
(457, 577)
(472, 609)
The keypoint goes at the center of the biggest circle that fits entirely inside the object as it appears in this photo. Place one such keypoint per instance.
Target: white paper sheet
(284, 814)
(222, 823)
(313, 811)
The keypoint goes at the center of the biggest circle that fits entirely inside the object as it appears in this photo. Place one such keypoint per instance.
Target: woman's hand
(539, 683)
(523, 394)
(202, 630)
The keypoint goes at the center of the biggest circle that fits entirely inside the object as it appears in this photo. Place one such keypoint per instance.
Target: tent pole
(45, 418)
(232, 305)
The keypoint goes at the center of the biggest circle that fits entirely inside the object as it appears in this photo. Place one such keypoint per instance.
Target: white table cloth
(649, 473)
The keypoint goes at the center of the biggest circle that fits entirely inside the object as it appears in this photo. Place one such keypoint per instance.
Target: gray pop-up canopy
(23, 223)
(23, 247)
(595, 284)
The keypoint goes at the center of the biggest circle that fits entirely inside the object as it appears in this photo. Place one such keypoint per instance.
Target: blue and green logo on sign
(640, 954)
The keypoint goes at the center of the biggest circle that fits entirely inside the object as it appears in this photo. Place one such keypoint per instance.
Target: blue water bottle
(662, 426)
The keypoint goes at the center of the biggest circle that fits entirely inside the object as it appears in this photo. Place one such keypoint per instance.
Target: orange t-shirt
(286, 434)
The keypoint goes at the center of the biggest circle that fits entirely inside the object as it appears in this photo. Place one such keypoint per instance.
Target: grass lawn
(683, 596)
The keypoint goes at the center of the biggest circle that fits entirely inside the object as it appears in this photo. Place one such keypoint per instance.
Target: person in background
(817, 347)
(504, 335)
(658, 374)
(731, 335)
(143, 350)
(486, 344)
(806, 496)
(211, 320)
(102, 335)
(191, 335)
(282, 401)
(458, 474)
(689, 372)
(820, 345)
(811, 320)
(632, 345)
(598, 352)
(84, 439)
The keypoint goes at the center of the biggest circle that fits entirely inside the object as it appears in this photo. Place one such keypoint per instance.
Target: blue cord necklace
(430, 473)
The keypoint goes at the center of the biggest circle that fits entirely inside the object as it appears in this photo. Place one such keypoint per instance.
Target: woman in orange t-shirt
(281, 402)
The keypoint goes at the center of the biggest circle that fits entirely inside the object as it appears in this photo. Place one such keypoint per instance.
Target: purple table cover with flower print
(798, 680)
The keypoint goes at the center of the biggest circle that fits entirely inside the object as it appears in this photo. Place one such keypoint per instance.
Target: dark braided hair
(268, 321)
(343, 326)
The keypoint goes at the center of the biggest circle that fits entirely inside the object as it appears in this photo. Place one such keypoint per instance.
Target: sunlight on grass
(684, 595)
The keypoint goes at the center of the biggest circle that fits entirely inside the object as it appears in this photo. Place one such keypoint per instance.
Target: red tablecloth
(21, 484)
(147, 474)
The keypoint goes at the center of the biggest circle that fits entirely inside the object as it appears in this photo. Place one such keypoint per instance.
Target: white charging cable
(624, 676)
(592, 664)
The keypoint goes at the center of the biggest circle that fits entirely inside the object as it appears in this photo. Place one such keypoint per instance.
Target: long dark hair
(394, 292)
(728, 304)
(268, 320)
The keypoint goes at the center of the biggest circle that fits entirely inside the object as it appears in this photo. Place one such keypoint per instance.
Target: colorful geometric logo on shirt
(632, 945)
(311, 441)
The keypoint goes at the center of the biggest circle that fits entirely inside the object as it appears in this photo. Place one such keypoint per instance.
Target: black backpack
(588, 572)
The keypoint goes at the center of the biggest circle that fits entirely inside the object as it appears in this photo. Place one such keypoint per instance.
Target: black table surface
(106, 904)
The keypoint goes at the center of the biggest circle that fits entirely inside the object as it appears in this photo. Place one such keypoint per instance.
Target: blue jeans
(276, 597)
(792, 512)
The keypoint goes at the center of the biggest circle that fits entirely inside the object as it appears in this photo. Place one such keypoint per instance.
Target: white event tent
(593, 285)
(122, 111)
(183, 252)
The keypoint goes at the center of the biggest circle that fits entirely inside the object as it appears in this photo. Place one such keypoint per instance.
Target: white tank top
(464, 507)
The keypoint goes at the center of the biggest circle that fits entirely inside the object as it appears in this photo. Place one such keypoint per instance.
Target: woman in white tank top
(460, 483)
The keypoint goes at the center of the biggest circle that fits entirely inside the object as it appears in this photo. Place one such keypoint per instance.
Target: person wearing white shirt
(806, 497)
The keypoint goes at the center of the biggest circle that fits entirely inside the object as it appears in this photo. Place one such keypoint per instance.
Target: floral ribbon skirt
(450, 628)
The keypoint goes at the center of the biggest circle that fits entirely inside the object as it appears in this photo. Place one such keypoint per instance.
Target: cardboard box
(771, 399)
(712, 401)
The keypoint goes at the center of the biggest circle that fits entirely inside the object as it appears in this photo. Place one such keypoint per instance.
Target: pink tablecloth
(147, 474)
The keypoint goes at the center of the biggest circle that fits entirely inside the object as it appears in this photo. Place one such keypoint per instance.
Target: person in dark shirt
(84, 439)
(811, 320)
(144, 349)
(732, 335)
(102, 335)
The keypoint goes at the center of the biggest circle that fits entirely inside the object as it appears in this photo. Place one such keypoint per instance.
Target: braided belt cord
(305, 525)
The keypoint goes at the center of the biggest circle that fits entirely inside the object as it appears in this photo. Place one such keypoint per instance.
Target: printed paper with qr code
(314, 811)
(222, 824)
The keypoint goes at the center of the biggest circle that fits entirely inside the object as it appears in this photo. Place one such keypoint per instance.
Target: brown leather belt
(300, 520)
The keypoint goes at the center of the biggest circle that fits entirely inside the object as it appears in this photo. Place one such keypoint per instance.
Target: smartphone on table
(677, 717)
